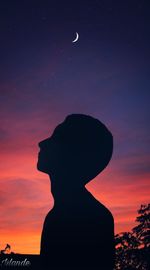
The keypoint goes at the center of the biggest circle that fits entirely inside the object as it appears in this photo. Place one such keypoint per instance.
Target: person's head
(81, 147)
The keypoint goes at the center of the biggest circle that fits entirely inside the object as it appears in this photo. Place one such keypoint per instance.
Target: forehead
(58, 129)
(66, 131)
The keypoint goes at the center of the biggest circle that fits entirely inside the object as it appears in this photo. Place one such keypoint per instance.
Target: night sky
(44, 77)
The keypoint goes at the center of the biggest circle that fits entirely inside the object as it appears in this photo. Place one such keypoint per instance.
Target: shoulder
(106, 211)
(104, 221)
(102, 211)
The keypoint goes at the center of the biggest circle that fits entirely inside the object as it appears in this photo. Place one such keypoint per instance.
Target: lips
(41, 154)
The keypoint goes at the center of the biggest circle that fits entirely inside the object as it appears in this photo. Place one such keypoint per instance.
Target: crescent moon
(77, 37)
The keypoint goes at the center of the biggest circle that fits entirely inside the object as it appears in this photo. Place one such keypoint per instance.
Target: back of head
(89, 144)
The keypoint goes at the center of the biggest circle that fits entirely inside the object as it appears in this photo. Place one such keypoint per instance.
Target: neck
(68, 195)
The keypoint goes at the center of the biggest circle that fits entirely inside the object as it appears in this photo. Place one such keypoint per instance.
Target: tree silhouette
(126, 250)
(6, 250)
(133, 248)
(142, 230)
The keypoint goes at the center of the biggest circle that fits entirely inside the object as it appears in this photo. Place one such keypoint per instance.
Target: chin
(41, 168)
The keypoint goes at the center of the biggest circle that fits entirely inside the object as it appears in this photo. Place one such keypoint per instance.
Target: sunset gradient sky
(44, 77)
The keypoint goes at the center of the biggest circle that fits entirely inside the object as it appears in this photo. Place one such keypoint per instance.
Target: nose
(43, 143)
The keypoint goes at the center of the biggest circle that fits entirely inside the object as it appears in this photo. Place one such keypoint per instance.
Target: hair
(89, 143)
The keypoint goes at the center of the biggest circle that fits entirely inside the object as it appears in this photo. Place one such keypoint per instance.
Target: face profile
(81, 145)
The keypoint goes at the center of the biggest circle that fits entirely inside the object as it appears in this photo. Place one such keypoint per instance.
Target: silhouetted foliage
(142, 230)
(133, 248)
(6, 250)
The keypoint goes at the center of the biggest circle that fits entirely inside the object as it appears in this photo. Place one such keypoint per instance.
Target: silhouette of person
(78, 233)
